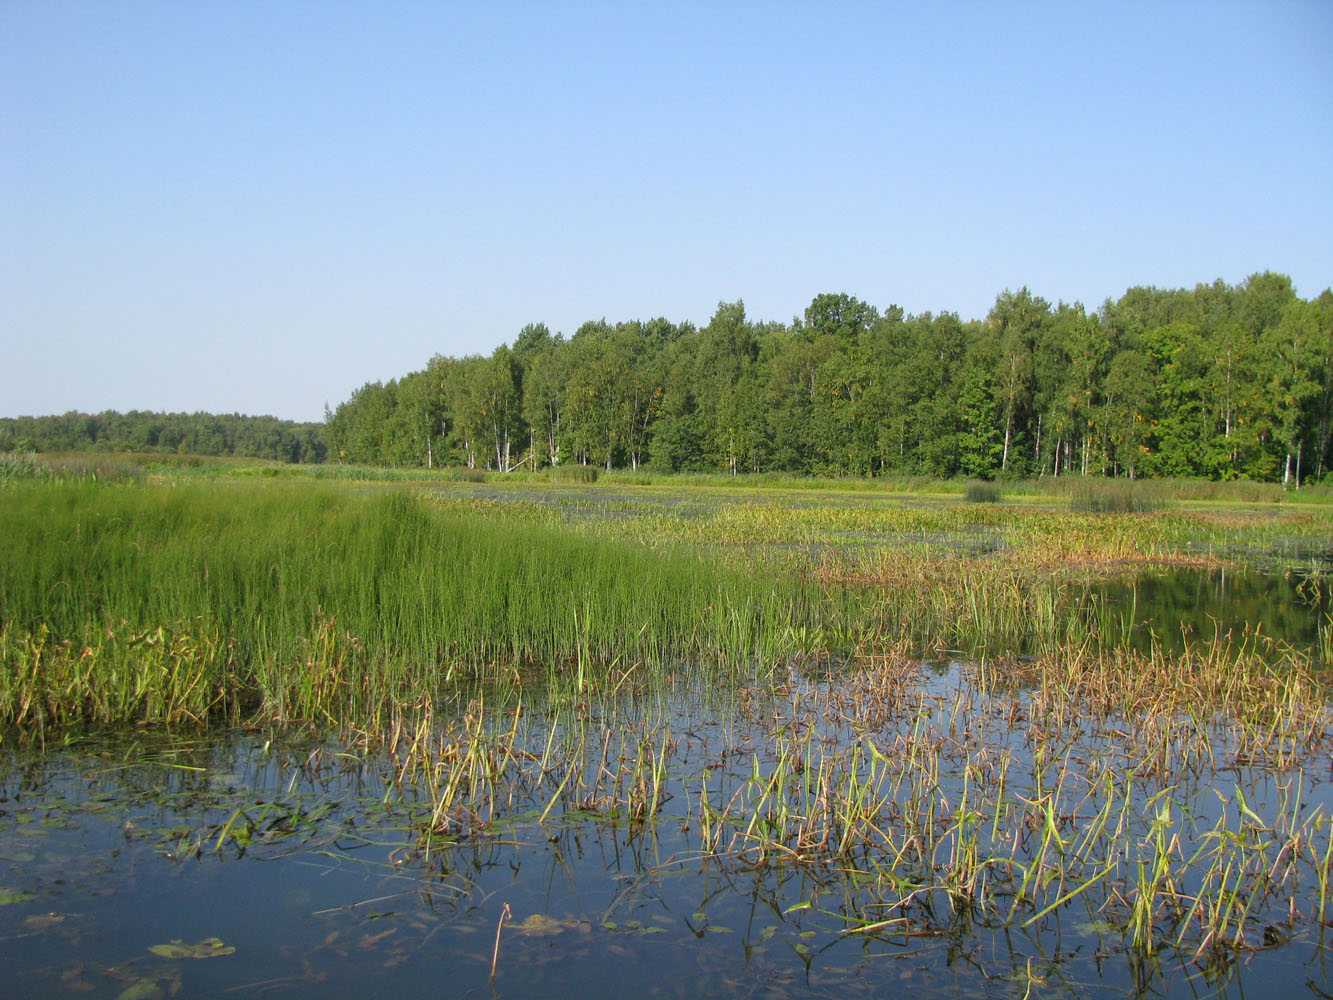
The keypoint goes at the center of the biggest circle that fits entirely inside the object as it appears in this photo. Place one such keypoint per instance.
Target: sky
(257, 207)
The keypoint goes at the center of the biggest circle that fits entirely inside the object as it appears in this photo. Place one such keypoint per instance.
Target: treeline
(1219, 382)
(185, 433)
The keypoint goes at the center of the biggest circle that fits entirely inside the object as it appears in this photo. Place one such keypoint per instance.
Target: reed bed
(249, 597)
(181, 604)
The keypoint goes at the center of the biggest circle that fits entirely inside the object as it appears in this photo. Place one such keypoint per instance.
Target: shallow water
(1177, 606)
(305, 870)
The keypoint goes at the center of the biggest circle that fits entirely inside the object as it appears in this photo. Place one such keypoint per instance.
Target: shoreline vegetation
(138, 593)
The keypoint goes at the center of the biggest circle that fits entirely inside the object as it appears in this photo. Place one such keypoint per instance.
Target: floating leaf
(141, 989)
(207, 948)
(8, 896)
(540, 925)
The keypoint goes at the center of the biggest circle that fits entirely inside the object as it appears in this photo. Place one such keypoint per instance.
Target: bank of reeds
(300, 600)
(142, 604)
(91, 466)
(982, 491)
(1117, 496)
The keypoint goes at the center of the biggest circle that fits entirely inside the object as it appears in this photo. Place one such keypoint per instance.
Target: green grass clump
(20, 466)
(128, 603)
(980, 491)
(1115, 496)
(574, 474)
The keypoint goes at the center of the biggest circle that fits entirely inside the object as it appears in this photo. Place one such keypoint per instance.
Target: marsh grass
(93, 467)
(980, 491)
(137, 604)
(277, 597)
(20, 466)
(1117, 496)
(573, 474)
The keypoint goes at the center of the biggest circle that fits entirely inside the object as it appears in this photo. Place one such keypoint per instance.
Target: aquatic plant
(307, 603)
(981, 491)
(1115, 496)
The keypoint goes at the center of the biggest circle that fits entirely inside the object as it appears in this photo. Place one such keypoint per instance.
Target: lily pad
(540, 925)
(141, 989)
(207, 948)
(8, 896)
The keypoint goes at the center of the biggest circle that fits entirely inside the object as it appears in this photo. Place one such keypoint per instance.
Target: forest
(1219, 382)
(229, 434)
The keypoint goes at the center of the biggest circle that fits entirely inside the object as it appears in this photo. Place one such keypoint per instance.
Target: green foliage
(1115, 496)
(175, 604)
(166, 433)
(979, 491)
(1220, 382)
(574, 474)
(20, 466)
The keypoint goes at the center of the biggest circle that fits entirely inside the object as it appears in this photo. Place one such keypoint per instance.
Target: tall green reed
(312, 598)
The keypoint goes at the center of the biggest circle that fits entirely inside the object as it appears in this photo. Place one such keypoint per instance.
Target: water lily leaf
(8, 896)
(141, 989)
(207, 948)
(540, 925)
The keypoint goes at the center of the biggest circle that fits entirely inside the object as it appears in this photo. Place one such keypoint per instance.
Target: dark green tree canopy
(1221, 381)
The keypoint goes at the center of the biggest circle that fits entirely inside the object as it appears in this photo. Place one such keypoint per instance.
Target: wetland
(372, 739)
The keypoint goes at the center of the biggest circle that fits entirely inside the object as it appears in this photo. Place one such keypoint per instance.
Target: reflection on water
(1181, 605)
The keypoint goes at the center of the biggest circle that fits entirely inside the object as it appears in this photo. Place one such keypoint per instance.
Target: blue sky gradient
(257, 207)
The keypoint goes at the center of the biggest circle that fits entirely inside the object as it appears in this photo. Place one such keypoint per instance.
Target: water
(257, 867)
(1177, 606)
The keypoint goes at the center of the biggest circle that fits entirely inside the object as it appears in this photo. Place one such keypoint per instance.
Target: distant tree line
(1219, 382)
(184, 433)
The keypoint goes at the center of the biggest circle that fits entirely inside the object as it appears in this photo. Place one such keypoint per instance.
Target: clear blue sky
(257, 207)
